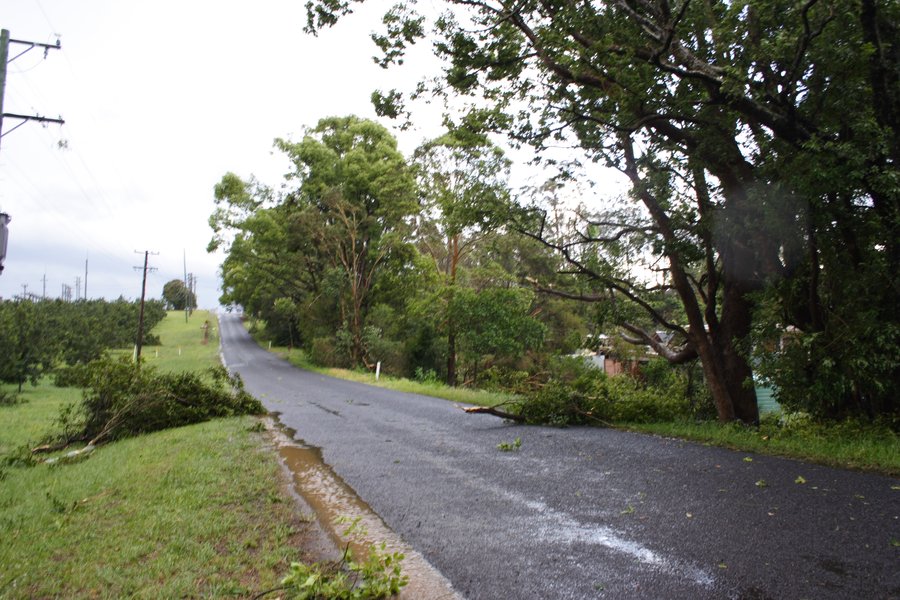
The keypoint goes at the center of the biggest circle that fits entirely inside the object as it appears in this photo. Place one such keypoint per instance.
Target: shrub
(324, 352)
(122, 400)
(578, 393)
(427, 376)
(382, 349)
(504, 379)
(76, 375)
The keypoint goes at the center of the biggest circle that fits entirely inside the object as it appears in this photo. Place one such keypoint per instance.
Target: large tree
(760, 138)
(322, 244)
(464, 190)
(177, 296)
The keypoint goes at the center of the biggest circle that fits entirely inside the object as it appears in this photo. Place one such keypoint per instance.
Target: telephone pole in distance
(140, 333)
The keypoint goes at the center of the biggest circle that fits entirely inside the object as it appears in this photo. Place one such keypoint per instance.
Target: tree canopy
(761, 139)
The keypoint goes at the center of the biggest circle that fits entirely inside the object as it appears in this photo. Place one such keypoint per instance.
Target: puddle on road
(334, 501)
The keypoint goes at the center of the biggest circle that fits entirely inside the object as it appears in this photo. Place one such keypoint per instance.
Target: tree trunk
(714, 372)
(451, 326)
(451, 357)
(733, 334)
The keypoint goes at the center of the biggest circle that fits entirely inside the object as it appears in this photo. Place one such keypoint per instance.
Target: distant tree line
(39, 336)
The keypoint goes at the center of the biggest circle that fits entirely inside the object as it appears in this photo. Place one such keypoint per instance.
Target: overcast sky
(160, 100)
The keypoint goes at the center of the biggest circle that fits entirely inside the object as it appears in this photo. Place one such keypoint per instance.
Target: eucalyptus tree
(358, 191)
(464, 191)
(760, 139)
(313, 252)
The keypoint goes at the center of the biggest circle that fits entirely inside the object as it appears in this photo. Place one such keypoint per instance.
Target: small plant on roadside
(377, 577)
(510, 446)
(427, 376)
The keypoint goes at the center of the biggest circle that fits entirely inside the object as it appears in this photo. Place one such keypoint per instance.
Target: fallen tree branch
(493, 410)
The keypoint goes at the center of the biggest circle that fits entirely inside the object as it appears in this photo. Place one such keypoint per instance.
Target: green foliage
(177, 296)
(848, 368)
(426, 376)
(578, 393)
(76, 375)
(324, 352)
(37, 336)
(762, 142)
(122, 400)
(512, 446)
(378, 576)
(308, 260)
(496, 321)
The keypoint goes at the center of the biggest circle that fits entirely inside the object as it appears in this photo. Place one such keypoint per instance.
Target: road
(586, 512)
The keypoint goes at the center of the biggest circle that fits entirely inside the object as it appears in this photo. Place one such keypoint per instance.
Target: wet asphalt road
(584, 512)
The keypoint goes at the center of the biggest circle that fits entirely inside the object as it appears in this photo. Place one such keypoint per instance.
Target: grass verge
(461, 395)
(847, 445)
(196, 511)
(188, 512)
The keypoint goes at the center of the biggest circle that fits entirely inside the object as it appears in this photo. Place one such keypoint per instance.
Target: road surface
(586, 512)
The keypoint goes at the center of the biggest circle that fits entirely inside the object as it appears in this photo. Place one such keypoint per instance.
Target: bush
(76, 375)
(578, 393)
(324, 352)
(384, 350)
(427, 376)
(122, 400)
(504, 379)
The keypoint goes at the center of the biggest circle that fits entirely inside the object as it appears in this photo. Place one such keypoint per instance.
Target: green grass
(461, 395)
(847, 445)
(196, 511)
(182, 348)
(29, 422)
(193, 511)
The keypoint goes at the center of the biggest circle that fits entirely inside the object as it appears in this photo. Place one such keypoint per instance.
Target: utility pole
(5, 42)
(187, 310)
(77, 288)
(140, 334)
(44, 281)
(85, 277)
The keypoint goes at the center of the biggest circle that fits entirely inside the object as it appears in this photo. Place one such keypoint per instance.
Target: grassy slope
(188, 512)
(182, 347)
